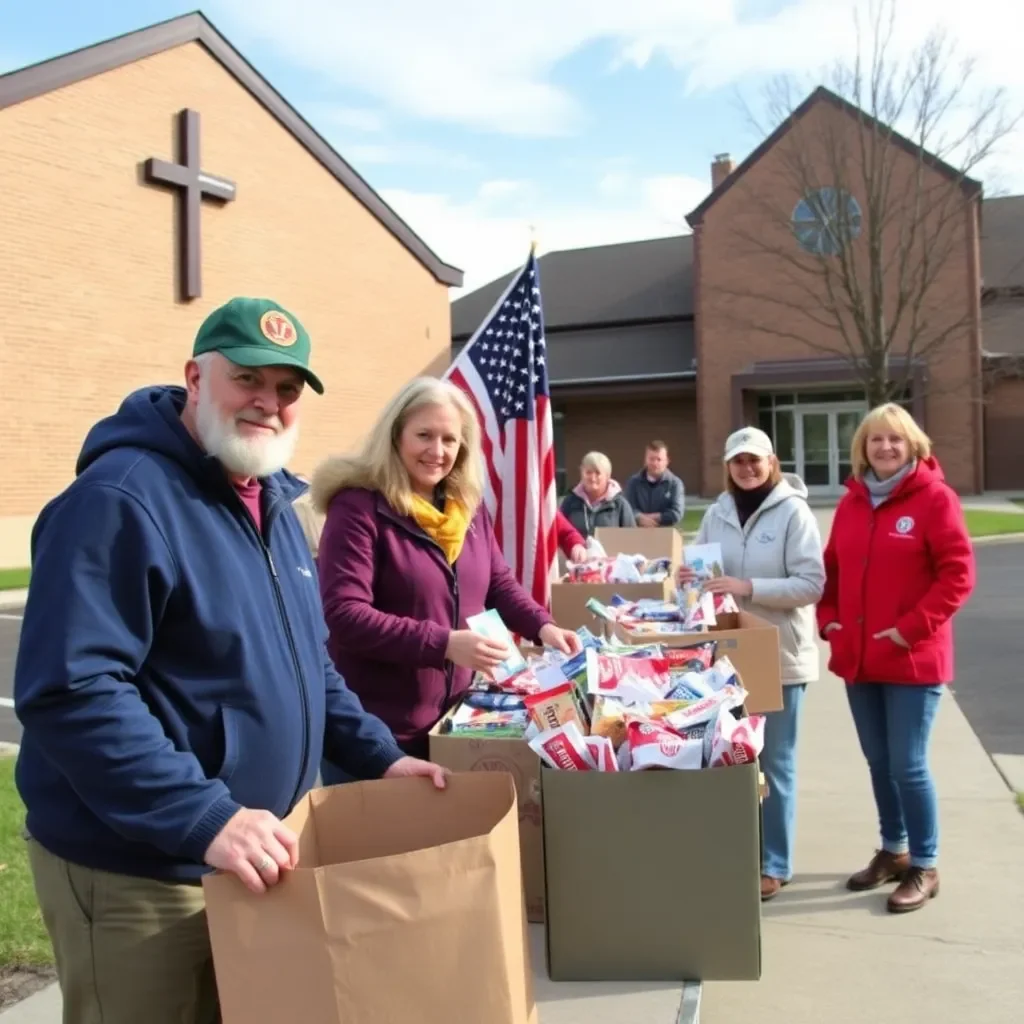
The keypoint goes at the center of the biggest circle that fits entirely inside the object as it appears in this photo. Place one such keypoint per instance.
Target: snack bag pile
(617, 707)
(620, 569)
(653, 708)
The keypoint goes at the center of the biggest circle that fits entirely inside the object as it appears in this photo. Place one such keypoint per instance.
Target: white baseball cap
(748, 441)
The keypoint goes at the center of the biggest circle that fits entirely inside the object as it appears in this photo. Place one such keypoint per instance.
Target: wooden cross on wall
(193, 185)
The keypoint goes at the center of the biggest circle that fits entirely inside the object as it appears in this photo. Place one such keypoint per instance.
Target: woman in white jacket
(772, 557)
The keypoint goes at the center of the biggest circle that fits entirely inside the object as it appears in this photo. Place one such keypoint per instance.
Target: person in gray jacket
(597, 500)
(655, 493)
(774, 564)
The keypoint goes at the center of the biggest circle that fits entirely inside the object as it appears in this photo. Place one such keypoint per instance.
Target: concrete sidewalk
(835, 956)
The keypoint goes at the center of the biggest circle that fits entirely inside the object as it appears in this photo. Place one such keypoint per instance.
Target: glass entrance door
(824, 435)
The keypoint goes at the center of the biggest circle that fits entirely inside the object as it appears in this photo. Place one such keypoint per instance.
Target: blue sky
(592, 120)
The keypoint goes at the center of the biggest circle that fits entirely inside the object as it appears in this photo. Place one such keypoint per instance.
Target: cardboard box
(751, 644)
(653, 876)
(569, 600)
(656, 542)
(504, 754)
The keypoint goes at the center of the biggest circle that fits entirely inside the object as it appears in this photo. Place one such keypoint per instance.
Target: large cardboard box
(514, 756)
(751, 644)
(653, 876)
(569, 600)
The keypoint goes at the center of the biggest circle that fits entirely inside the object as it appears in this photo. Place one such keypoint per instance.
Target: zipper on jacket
(282, 611)
(453, 572)
(863, 589)
(450, 674)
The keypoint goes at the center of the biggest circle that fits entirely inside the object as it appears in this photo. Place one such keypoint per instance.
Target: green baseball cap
(257, 332)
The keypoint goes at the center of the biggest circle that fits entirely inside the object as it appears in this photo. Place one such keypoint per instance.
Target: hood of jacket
(790, 488)
(150, 420)
(611, 493)
(927, 473)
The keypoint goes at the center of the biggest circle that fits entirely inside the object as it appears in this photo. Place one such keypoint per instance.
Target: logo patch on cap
(276, 327)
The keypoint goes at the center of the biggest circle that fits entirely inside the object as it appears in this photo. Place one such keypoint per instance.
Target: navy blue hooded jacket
(172, 666)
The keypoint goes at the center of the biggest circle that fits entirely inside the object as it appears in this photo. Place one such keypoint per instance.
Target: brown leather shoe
(771, 887)
(884, 867)
(919, 885)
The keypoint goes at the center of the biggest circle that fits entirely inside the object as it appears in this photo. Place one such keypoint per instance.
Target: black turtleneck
(748, 502)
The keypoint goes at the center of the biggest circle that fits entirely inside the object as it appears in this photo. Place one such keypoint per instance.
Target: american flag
(503, 370)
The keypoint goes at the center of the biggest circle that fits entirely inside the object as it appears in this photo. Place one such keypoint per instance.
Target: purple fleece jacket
(391, 599)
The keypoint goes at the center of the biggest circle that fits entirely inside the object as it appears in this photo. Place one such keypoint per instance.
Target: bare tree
(885, 194)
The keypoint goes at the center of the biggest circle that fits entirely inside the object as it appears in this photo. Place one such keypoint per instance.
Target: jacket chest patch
(765, 537)
(904, 528)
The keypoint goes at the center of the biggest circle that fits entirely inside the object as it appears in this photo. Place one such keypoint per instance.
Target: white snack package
(602, 753)
(653, 746)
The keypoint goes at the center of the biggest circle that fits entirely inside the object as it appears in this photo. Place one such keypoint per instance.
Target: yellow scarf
(447, 528)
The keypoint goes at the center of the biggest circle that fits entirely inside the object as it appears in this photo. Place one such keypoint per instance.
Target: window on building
(825, 220)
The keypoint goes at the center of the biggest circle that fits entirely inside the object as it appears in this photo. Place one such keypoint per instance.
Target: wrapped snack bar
(563, 748)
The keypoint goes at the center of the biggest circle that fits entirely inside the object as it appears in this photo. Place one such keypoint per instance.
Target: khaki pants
(128, 950)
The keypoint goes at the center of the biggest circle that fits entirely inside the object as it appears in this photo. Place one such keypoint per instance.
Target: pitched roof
(37, 79)
(624, 283)
(823, 95)
(653, 280)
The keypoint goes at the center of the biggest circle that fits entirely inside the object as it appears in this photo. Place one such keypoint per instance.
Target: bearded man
(172, 675)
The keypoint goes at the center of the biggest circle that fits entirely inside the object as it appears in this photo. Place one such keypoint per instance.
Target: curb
(13, 599)
(1011, 768)
(999, 538)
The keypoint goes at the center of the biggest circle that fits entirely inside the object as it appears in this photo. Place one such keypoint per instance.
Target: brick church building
(689, 337)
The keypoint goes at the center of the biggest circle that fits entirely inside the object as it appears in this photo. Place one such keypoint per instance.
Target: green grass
(983, 523)
(13, 579)
(23, 938)
(691, 520)
(1020, 801)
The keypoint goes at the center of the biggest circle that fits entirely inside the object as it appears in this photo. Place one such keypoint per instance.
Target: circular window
(825, 220)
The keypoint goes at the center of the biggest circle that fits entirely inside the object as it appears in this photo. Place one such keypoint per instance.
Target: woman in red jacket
(898, 565)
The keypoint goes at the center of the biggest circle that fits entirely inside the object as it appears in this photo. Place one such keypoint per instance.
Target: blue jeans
(894, 725)
(778, 762)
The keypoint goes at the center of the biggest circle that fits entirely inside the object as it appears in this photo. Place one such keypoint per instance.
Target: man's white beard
(240, 455)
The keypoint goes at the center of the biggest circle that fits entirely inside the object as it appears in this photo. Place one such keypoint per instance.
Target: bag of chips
(609, 720)
(654, 746)
(632, 680)
(736, 740)
(563, 748)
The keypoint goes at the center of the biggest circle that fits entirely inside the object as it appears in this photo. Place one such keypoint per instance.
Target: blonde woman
(597, 500)
(407, 554)
(899, 564)
(771, 553)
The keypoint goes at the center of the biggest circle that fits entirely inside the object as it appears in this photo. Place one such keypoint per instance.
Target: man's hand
(647, 519)
(255, 846)
(893, 635)
(470, 650)
(578, 554)
(406, 767)
(729, 585)
(564, 640)
(831, 627)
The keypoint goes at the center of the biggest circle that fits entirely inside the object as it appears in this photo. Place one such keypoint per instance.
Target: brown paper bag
(407, 906)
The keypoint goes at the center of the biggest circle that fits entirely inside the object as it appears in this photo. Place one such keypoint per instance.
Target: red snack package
(602, 753)
(692, 659)
(653, 746)
(737, 740)
(563, 748)
(629, 679)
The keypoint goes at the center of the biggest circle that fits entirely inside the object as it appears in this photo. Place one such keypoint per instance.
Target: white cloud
(501, 188)
(360, 119)
(478, 67)
(487, 239)
(475, 65)
(367, 153)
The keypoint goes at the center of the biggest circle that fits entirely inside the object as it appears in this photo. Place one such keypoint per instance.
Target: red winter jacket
(567, 534)
(908, 563)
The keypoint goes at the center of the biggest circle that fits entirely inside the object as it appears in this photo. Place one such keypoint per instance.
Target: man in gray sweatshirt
(656, 493)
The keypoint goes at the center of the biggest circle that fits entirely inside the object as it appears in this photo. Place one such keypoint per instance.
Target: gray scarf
(881, 490)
